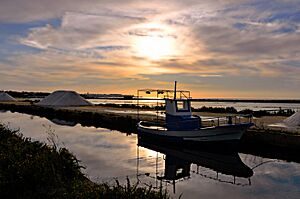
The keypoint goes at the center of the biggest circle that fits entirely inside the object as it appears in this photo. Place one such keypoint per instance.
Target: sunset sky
(215, 48)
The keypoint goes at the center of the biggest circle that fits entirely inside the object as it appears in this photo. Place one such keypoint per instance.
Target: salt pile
(64, 98)
(293, 120)
(4, 97)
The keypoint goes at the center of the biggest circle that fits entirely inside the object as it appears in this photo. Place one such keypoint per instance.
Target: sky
(215, 48)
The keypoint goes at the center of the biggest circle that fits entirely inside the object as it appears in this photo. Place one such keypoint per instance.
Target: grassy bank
(271, 144)
(30, 169)
(123, 123)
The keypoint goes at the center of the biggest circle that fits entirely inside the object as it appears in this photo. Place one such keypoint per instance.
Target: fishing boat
(181, 125)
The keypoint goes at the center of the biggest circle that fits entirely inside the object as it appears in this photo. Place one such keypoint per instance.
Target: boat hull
(230, 134)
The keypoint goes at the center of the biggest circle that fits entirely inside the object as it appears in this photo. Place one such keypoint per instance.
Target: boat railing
(153, 125)
(208, 122)
(227, 120)
(222, 178)
(162, 94)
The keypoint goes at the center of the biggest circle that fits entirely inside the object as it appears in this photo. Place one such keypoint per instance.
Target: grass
(31, 169)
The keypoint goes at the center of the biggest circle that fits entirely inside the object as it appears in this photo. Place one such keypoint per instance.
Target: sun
(155, 44)
(154, 47)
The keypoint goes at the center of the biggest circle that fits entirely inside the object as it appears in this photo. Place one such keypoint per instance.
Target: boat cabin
(176, 168)
(178, 107)
(179, 115)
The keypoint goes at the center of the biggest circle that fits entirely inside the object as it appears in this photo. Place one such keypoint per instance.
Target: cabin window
(179, 171)
(182, 106)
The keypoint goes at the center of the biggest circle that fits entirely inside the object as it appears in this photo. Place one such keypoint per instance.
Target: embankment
(123, 123)
(270, 143)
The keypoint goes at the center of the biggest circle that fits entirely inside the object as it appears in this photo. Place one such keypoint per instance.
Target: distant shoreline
(280, 101)
(28, 95)
(291, 101)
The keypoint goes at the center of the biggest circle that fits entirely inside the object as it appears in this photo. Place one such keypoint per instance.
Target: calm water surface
(193, 173)
(237, 105)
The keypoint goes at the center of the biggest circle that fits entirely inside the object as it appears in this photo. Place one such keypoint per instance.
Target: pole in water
(175, 89)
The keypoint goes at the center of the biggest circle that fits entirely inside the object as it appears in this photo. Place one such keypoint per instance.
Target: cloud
(35, 10)
(201, 42)
(79, 31)
(242, 31)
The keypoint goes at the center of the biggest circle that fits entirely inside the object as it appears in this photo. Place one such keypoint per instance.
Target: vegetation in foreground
(31, 169)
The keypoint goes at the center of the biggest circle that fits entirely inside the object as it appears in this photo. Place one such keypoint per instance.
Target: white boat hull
(208, 134)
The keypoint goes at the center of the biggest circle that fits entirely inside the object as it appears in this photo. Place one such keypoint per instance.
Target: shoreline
(291, 101)
(125, 123)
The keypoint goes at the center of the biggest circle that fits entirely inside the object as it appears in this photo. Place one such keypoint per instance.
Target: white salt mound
(4, 97)
(293, 120)
(64, 98)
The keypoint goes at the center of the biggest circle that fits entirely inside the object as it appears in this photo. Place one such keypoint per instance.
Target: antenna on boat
(175, 89)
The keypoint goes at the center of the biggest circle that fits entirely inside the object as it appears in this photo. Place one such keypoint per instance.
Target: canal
(109, 155)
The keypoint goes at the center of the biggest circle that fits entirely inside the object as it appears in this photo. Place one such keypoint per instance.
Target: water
(110, 154)
(237, 105)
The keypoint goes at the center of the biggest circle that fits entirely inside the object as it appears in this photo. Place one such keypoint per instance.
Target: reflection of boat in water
(62, 122)
(181, 125)
(179, 160)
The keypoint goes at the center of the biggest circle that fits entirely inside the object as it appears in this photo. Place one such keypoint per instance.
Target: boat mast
(175, 90)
